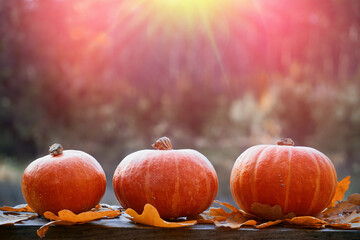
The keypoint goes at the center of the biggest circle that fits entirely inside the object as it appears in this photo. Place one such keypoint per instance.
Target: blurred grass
(10, 182)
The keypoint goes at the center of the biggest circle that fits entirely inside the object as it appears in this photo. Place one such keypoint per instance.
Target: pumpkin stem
(56, 149)
(163, 143)
(285, 141)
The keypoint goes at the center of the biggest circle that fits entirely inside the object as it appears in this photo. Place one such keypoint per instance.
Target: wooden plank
(121, 228)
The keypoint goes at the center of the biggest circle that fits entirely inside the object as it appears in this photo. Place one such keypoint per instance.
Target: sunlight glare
(188, 11)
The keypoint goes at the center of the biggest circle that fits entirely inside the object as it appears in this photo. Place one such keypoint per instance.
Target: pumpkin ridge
(317, 188)
(239, 178)
(288, 181)
(177, 190)
(121, 191)
(253, 180)
(148, 190)
(207, 188)
(334, 175)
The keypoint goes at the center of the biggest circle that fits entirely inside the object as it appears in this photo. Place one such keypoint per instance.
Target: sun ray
(213, 44)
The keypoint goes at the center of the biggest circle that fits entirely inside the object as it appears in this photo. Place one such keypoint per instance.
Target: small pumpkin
(177, 183)
(301, 180)
(65, 179)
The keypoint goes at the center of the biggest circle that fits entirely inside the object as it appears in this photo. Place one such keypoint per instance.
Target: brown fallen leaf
(267, 212)
(44, 228)
(234, 225)
(18, 208)
(307, 222)
(342, 209)
(84, 217)
(228, 205)
(344, 215)
(345, 221)
(341, 188)
(355, 225)
(106, 207)
(11, 218)
(340, 225)
(210, 216)
(354, 199)
(150, 216)
(268, 224)
(67, 217)
(234, 220)
(235, 209)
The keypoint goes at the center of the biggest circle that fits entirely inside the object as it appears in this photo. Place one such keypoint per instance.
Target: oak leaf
(347, 222)
(235, 220)
(18, 208)
(306, 222)
(67, 217)
(84, 217)
(342, 209)
(268, 224)
(211, 215)
(228, 205)
(235, 209)
(268, 212)
(106, 207)
(341, 188)
(44, 228)
(150, 216)
(10, 218)
(345, 214)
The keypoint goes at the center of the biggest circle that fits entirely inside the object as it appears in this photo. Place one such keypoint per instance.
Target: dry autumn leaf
(228, 205)
(84, 217)
(18, 208)
(268, 224)
(355, 225)
(44, 228)
(354, 199)
(235, 220)
(267, 212)
(234, 224)
(343, 208)
(344, 215)
(67, 217)
(211, 215)
(11, 218)
(341, 188)
(150, 216)
(106, 207)
(346, 222)
(235, 209)
(306, 222)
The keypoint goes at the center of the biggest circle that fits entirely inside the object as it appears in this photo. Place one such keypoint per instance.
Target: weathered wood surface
(121, 228)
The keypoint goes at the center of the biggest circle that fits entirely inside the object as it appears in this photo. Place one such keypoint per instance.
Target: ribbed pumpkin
(64, 179)
(301, 180)
(177, 183)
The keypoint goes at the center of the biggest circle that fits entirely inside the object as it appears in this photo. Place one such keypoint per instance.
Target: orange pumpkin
(301, 180)
(67, 179)
(178, 183)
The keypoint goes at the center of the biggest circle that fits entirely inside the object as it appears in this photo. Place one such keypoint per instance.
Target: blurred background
(109, 77)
